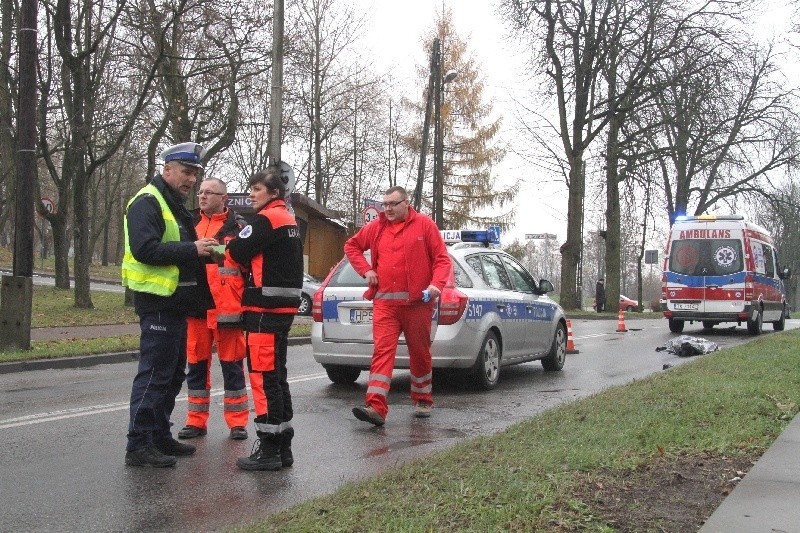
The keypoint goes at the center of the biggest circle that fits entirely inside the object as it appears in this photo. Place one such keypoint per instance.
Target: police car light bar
(487, 236)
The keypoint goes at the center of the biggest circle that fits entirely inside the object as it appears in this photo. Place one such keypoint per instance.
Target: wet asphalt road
(62, 435)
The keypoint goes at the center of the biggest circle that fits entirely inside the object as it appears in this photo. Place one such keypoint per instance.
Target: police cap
(190, 154)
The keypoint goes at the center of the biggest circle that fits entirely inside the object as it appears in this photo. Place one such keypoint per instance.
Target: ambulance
(722, 269)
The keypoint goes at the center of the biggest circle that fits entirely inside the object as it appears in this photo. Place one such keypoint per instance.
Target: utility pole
(16, 294)
(276, 92)
(434, 69)
(438, 147)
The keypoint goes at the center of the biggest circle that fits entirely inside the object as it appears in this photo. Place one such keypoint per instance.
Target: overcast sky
(394, 33)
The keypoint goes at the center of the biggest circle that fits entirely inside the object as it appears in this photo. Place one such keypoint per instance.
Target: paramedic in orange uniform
(271, 248)
(221, 325)
(409, 269)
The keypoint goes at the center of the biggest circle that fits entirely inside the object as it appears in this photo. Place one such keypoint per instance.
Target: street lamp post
(438, 146)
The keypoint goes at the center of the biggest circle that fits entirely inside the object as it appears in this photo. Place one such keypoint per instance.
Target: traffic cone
(621, 322)
(570, 343)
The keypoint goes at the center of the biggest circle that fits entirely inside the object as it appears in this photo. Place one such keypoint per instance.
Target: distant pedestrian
(270, 247)
(221, 324)
(162, 267)
(408, 270)
(600, 296)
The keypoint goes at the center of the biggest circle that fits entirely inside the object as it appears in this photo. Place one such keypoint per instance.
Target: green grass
(730, 402)
(72, 348)
(56, 307)
(52, 307)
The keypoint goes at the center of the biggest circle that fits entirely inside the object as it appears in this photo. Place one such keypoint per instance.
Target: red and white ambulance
(722, 269)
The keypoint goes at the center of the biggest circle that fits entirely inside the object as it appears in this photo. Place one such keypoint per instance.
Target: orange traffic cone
(621, 322)
(570, 343)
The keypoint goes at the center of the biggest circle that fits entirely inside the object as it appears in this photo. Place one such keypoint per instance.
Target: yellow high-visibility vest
(161, 280)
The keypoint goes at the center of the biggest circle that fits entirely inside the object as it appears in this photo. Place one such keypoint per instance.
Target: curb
(82, 361)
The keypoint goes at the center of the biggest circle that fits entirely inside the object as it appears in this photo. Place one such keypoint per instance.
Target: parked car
(310, 286)
(492, 313)
(626, 304)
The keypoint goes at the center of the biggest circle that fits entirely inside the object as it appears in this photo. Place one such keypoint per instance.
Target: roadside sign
(239, 202)
(369, 214)
(650, 257)
(49, 205)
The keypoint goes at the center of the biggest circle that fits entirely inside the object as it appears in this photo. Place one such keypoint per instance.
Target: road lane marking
(64, 414)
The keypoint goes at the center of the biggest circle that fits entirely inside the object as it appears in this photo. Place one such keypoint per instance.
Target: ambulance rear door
(705, 273)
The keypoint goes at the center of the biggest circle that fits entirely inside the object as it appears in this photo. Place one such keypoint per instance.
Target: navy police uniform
(162, 316)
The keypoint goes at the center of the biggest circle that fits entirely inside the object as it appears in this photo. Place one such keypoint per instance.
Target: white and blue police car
(491, 314)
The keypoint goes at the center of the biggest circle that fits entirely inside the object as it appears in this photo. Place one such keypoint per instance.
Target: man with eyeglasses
(220, 324)
(408, 270)
(162, 266)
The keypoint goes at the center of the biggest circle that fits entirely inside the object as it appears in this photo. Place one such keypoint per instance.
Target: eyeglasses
(392, 204)
(209, 193)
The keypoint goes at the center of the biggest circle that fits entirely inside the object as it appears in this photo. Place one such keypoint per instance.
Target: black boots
(286, 447)
(270, 452)
(266, 454)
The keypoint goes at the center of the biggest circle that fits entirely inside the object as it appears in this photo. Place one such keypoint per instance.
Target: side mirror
(545, 286)
(786, 273)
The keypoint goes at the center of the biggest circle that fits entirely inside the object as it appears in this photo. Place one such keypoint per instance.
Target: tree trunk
(571, 249)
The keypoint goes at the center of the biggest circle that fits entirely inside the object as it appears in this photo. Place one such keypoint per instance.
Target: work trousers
(231, 351)
(388, 322)
(162, 363)
(267, 348)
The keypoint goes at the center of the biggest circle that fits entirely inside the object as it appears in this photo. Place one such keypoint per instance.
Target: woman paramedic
(270, 247)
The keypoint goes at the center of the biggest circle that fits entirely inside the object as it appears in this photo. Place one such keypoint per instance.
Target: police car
(491, 314)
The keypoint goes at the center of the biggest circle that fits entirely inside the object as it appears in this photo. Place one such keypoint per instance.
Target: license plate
(361, 316)
(686, 307)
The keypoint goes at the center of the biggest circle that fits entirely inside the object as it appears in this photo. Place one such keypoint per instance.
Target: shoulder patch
(246, 231)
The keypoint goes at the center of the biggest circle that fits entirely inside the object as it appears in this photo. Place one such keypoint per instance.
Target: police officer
(271, 247)
(220, 325)
(162, 267)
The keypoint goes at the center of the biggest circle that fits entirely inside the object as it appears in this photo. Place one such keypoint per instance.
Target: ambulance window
(726, 257)
(494, 273)
(684, 257)
(758, 256)
(769, 261)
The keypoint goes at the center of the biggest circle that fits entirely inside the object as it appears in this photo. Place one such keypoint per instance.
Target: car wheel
(486, 370)
(342, 375)
(675, 326)
(305, 305)
(780, 324)
(756, 325)
(629, 308)
(558, 351)
(707, 324)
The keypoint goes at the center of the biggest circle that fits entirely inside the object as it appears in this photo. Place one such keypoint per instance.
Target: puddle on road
(417, 437)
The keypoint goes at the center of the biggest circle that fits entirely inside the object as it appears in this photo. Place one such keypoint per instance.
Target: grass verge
(52, 307)
(531, 477)
(72, 348)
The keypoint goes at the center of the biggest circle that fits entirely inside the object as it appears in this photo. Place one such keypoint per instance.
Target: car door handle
(529, 307)
(501, 307)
